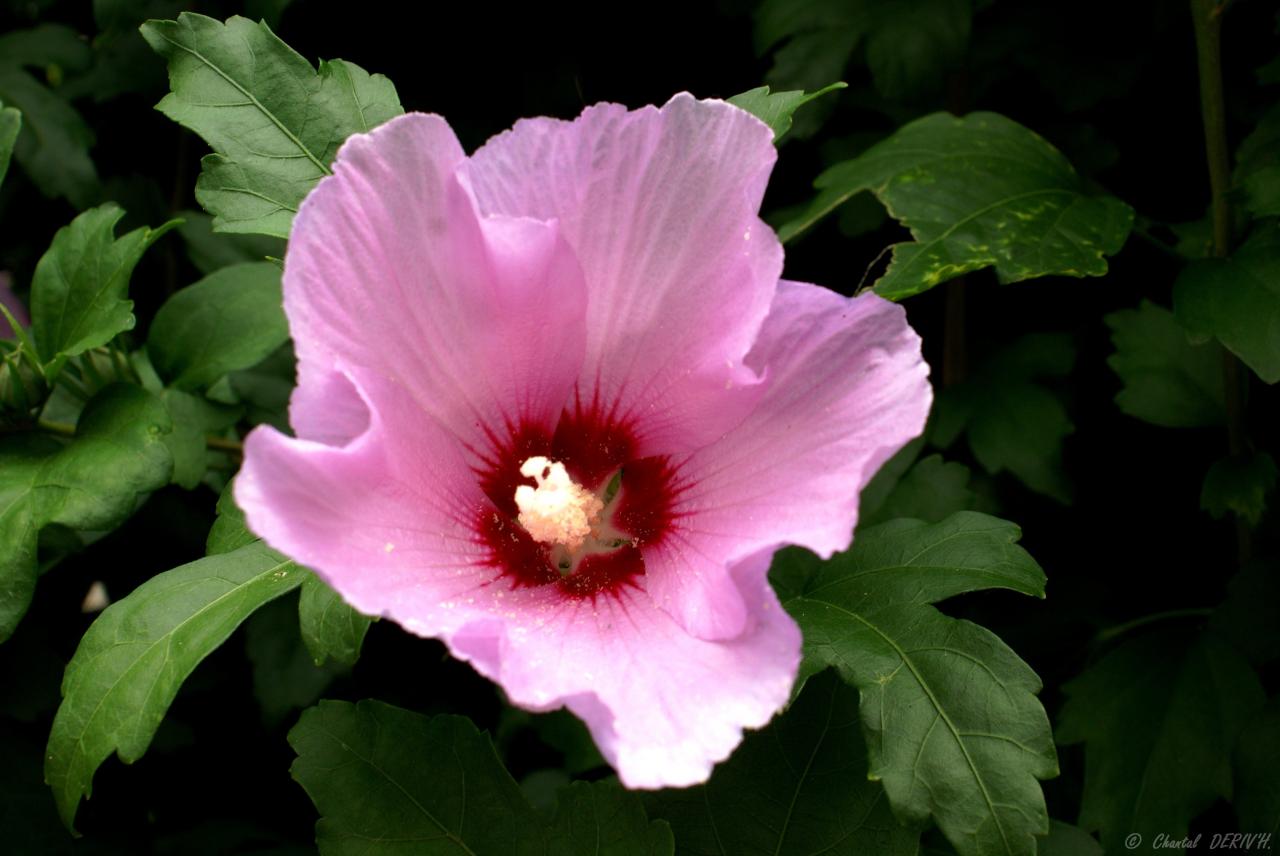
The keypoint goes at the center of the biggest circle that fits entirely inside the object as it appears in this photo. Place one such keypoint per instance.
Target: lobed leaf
(1237, 301)
(118, 454)
(978, 191)
(433, 785)
(134, 658)
(932, 490)
(1239, 484)
(1257, 172)
(1011, 422)
(953, 726)
(776, 109)
(909, 46)
(1167, 380)
(1158, 717)
(273, 122)
(800, 786)
(79, 291)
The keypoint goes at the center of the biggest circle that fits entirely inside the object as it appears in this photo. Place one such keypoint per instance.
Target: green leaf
(800, 786)
(131, 663)
(1158, 716)
(54, 141)
(882, 484)
(1067, 840)
(932, 490)
(194, 419)
(913, 562)
(273, 122)
(1257, 173)
(976, 192)
(122, 60)
(1240, 485)
(601, 817)
(285, 677)
(230, 320)
(331, 628)
(776, 109)
(1249, 616)
(10, 125)
(953, 726)
(265, 389)
(94, 482)
(210, 250)
(229, 531)
(1167, 380)
(1237, 301)
(1257, 787)
(1063, 840)
(1013, 423)
(44, 46)
(79, 291)
(909, 45)
(434, 785)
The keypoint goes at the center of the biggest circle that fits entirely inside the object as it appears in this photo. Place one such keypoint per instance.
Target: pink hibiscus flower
(555, 408)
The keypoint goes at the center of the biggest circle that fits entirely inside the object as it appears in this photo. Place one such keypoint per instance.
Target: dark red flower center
(594, 448)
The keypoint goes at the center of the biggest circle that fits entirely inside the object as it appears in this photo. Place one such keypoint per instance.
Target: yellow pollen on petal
(558, 510)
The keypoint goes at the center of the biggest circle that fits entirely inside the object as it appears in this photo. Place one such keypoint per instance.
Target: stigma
(558, 511)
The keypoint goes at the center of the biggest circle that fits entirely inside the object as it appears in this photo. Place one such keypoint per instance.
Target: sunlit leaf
(1237, 301)
(433, 785)
(800, 786)
(776, 109)
(1158, 716)
(230, 320)
(273, 122)
(133, 660)
(953, 726)
(978, 191)
(79, 294)
(92, 482)
(1167, 380)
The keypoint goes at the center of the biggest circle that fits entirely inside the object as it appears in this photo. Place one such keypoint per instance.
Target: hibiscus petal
(662, 706)
(846, 388)
(390, 268)
(660, 208)
(386, 519)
